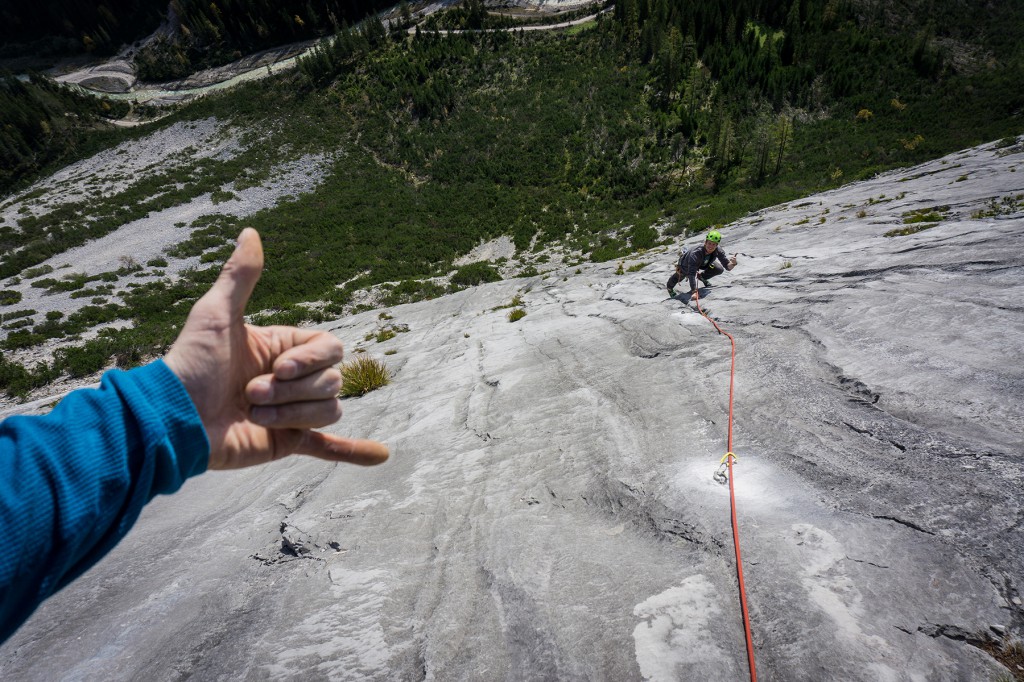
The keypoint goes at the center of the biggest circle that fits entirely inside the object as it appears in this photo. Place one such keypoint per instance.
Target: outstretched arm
(228, 394)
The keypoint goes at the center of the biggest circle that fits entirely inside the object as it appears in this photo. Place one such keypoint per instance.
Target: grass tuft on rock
(1008, 653)
(362, 375)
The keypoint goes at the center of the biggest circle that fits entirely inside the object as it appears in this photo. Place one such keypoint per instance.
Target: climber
(699, 262)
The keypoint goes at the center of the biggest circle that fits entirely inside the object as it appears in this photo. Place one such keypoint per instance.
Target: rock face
(550, 513)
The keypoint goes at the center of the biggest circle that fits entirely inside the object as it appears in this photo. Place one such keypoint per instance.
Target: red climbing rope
(728, 459)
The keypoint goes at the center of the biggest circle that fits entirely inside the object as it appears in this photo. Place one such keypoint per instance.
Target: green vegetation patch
(516, 302)
(387, 332)
(32, 273)
(913, 229)
(18, 324)
(409, 291)
(475, 273)
(920, 219)
(926, 215)
(1008, 205)
(15, 314)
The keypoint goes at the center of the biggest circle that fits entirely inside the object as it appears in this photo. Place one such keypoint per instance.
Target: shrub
(10, 297)
(409, 291)
(89, 359)
(32, 273)
(157, 263)
(516, 314)
(18, 381)
(610, 249)
(362, 375)
(21, 338)
(72, 282)
(643, 237)
(129, 357)
(529, 271)
(475, 273)
(221, 196)
(16, 314)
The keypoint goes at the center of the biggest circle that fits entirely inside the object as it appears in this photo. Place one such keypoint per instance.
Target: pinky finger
(337, 449)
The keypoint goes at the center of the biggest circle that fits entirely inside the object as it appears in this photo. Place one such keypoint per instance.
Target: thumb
(239, 275)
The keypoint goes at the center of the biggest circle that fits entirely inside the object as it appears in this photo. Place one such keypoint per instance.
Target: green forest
(42, 122)
(668, 114)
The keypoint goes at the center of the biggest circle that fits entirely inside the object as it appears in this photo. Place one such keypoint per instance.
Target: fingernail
(261, 390)
(287, 369)
(263, 415)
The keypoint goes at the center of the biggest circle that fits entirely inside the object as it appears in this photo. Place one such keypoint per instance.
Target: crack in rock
(908, 524)
(865, 561)
(953, 632)
(869, 433)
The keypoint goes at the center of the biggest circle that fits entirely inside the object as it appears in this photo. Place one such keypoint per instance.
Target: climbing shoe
(703, 278)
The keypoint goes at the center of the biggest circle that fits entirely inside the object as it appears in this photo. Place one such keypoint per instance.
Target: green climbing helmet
(715, 236)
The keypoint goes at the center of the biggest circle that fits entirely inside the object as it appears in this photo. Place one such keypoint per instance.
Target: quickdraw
(720, 474)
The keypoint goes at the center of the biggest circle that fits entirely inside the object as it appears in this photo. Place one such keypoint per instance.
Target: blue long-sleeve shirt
(73, 482)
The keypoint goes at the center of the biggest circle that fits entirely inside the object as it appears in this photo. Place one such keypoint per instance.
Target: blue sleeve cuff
(171, 429)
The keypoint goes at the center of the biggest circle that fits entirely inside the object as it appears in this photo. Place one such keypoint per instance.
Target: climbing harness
(723, 475)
